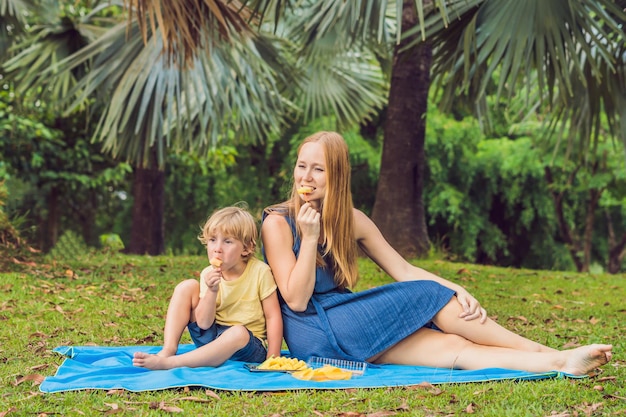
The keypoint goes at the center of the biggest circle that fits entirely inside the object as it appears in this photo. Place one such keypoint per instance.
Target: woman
(310, 243)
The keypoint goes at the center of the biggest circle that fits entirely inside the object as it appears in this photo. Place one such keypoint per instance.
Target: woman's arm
(295, 277)
(274, 324)
(374, 244)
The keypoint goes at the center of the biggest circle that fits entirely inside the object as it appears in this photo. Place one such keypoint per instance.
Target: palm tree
(233, 88)
(565, 47)
(570, 49)
(472, 39)
(151, 104)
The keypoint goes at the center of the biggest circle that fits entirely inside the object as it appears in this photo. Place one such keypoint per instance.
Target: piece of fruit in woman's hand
(216, 262)
(305, 190)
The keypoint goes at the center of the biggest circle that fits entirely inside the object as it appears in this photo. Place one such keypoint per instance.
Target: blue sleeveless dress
(341, 324)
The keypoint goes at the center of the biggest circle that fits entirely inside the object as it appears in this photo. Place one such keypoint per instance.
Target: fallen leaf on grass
(38, 367)
(195, 399)
(17, 261)
(590, 409)
(114, 408)
(470, 408)
(211, 393)
(115, 392)
(162, 406)
(10, 410)
(432, 389)
(36, 378)
(170, 408)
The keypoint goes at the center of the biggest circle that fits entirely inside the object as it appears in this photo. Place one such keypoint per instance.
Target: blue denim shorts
(254, 351)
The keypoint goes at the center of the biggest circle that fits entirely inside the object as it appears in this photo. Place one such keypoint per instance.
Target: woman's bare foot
(582, 360)
(151, 361)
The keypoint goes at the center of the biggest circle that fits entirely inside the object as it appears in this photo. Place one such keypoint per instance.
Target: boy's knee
(188, 285)
(239, 335)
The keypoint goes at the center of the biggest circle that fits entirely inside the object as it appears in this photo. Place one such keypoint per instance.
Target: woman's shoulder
(363, 225)
(360, 218)
(281, 209)
(274, 219)
(276, 216)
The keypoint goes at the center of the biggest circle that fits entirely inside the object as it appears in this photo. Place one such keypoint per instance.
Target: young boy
(232, 311)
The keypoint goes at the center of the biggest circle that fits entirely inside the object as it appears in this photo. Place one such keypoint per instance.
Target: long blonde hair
(336, 209)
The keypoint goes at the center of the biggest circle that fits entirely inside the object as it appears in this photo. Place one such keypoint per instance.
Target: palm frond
(50, 43)
(12, 20)
(186, 27)
(230, 93)
(350, 86)
(516, 38)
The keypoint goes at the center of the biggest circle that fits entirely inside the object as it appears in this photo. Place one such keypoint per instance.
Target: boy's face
(230, 250)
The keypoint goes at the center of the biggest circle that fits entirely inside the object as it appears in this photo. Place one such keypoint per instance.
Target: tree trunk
(578, 246)
(148, 228)
(617, 250)
(52, 220)
(399, 209)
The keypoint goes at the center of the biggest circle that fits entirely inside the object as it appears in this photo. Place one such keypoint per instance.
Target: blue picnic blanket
(99, 367)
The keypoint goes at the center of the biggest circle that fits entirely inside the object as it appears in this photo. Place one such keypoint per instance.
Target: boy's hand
(213, 278)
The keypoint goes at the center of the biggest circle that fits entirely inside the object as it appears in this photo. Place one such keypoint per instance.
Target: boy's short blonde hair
(232, 221)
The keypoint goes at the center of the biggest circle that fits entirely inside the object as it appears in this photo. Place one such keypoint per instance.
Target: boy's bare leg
(211, 354)
(179, 313)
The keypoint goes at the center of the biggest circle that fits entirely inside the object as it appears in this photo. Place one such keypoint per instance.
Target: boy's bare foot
(582, 360)
(151, 361)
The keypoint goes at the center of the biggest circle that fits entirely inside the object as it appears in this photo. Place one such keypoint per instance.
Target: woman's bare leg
(489, 333)
(179, 313)
(211, 354)
(428, 347)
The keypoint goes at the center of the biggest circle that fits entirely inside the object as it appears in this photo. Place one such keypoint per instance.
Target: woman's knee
(448, 316)
(454, 342)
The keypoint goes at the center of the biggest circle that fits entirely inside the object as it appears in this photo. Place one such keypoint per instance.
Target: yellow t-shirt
(239, 301)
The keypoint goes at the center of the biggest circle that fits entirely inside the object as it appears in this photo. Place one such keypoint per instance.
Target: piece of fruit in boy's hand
(216, 262)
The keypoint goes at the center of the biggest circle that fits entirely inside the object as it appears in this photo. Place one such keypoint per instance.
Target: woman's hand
(471, 307)
(309, 222)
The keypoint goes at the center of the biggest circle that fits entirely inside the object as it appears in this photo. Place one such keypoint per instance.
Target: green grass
(121, 300)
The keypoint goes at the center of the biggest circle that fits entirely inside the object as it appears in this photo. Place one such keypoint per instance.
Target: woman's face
(310, 171)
